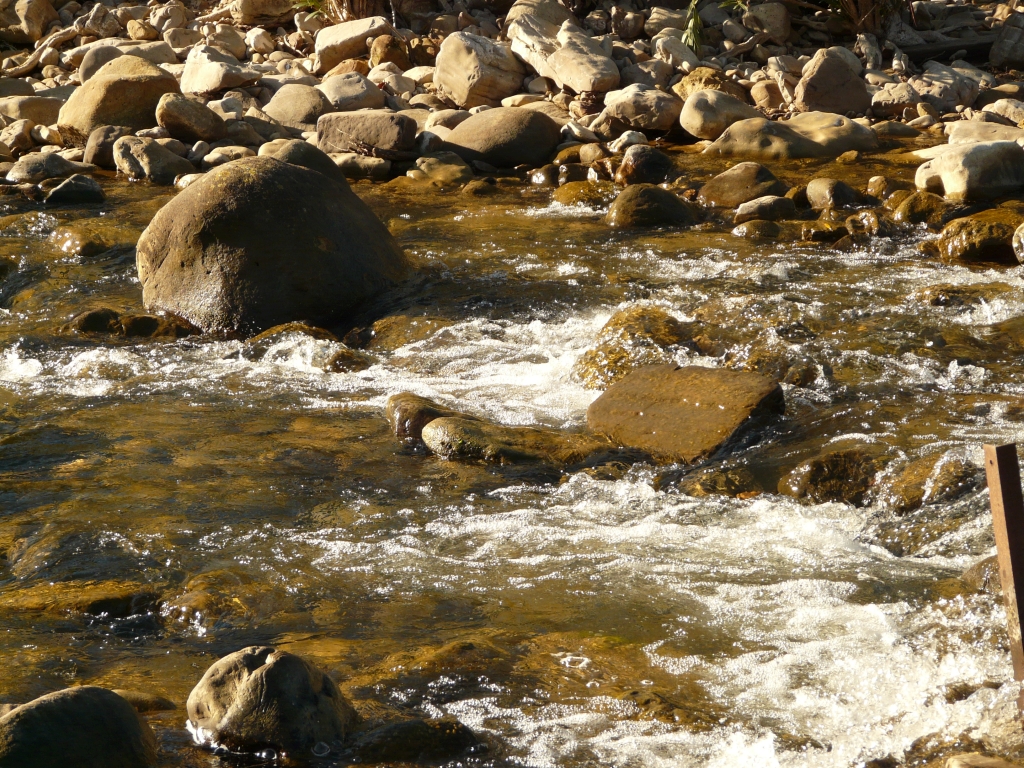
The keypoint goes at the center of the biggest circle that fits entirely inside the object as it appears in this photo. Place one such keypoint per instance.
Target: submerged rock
(741, 184)
(408, 414)
(683, 414)
(213, 255)
(259, 698)
(836, 474)
(459, 437)
(984, 239)
(645, 205)
(928, 480)
(416, 741)
(631, 338)
(83, 727)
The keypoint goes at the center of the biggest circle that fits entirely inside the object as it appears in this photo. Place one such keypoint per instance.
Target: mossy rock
(462, 438)
(836, 474)
(589, 194)
(928, 480)
(983, 239)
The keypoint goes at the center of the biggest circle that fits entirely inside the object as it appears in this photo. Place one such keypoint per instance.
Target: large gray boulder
(259, 242)
(259, 698)
(345, 131)
(124, 92)
(979, 171)
(83, 727)
(505, 137)
(298, 106)
(706, 114)
(473, 71)
(347, 41)
(351, 91)
(832, 83)
(683, 414)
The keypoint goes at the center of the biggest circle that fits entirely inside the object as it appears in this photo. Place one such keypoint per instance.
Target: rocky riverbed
(523, 385)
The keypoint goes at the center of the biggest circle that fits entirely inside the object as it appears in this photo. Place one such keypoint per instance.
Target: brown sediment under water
(166, 502)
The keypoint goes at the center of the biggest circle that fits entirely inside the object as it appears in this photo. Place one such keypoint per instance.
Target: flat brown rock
(682, 414)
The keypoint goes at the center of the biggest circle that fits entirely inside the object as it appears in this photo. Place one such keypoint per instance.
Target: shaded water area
(169, 501)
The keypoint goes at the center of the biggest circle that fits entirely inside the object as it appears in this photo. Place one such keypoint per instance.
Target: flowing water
(195, 501)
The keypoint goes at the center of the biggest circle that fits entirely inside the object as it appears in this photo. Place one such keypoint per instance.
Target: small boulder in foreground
(83, 727)
(261, 698)
(683, 414)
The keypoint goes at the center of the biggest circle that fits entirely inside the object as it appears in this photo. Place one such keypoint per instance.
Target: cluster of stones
(257, 701)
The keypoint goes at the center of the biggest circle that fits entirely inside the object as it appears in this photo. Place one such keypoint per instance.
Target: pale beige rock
(208, 70)
(976, 171)
(24, 21)
(706, 114)
(643, 108)
(472, 71)
(347, 41)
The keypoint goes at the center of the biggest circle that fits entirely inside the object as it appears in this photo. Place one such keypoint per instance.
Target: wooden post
(1007, 502)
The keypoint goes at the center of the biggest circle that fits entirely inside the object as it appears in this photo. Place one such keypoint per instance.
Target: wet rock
(156, 326)
(76, 190)
(408, 414)
(345, 131)
(985, 238)
(351, 91)
(683, 414)
(643, 164)
(632, 338)
(208, 70)
(123, 92)
(415, 741)
(465, 438)
(188, 119)
(741, 184)
(923, 208)
(708, 79)
(99, 149)
(25, 22)
(928, 480)
(645, 205)
(85, 726)
(37, 166)
(443, 168)
(148, 159)
(983, 576)
(145, 703)
(977, 760)
(706, 114)
(505, 137)
(347, 40)
(831, 193)
(298, 106)
(474, 71)
(103, 320)
(720, 481)
(977, 171)
(836, 474)
(831, 83)
(767, 208)
(589, 194)
(232, 267)
(643, 108)
(757, 229)
(259, 698)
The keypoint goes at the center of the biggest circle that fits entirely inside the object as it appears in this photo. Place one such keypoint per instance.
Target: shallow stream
(197, 501)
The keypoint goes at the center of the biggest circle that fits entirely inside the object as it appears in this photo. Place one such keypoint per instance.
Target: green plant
(743, 5)
(693, 30)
